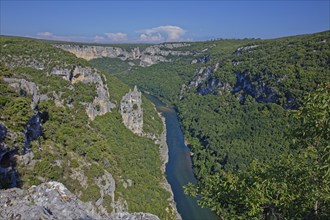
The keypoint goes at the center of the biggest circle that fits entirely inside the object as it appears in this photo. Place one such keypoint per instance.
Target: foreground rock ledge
(52, 200)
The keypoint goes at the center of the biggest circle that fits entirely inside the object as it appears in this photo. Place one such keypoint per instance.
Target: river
(179, 167)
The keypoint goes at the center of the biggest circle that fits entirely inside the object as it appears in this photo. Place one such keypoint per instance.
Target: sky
(161, 21)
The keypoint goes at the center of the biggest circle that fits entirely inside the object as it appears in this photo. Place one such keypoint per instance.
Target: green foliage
(163, 79)
(151, 120)
(296, 186)
(48, 170)
(28, 52)
(247, 120)
(91, 193)
(315, 117)
(112, 65)
(16, 113)
(137, 159)
(106, 203)
(225, 134)
(93, 171)
(70, 142)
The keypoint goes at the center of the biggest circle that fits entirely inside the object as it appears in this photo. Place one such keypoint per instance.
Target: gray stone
(131, 111)
(101, 103)
(52, 200)
(24, 86)
(151, 55)
(133, 216)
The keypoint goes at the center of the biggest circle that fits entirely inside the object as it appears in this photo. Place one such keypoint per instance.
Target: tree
(297, 186)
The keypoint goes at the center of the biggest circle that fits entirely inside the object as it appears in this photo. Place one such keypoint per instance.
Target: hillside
(251, 111)
(61, 120)
(235, 100)
(233, 95)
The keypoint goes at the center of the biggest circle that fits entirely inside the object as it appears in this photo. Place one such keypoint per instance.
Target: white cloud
(153, 37)
(45, 34)
(50, 36)
(117, 37)
(162, 33)
(166, 33)
(98, 39)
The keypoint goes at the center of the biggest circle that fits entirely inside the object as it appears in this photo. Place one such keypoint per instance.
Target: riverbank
(178, 169)
(164, 154)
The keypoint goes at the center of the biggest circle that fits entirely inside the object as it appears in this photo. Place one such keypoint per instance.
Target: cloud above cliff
(158, 34)
(117, 37)
(162, 33)
(50, 36)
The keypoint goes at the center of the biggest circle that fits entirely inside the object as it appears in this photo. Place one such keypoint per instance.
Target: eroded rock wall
(52, 200)
(131, 111)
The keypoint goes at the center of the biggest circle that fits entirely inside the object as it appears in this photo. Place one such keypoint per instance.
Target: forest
(70, 143)
(249, 120)
(255, 114)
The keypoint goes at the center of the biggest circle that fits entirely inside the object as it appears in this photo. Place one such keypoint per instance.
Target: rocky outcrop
(246, 48)
(62, 72)
(133, 216)
(206, 83)
(107, 186)
(101, 103)
(32, 130)
(131, 111)
(203, 74)
(148, 60)
(52, 200)
(261, 91)
(203, 59)
(24, 87)
(17, 61)
(9, 176)
(3, 133)
(174, 45)
(151, 55)
(157, 50)
(92, 52)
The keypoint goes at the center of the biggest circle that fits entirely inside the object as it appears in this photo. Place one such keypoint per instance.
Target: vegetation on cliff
(72, 149)
(296, 186)
(235, 100)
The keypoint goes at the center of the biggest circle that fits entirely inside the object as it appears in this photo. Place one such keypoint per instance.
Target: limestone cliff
(149, 56)
(101, 103)
(132, 112)
(24, 87)
(45, 135)
(52, 200)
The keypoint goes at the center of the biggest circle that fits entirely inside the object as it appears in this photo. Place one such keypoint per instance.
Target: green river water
(179, 170)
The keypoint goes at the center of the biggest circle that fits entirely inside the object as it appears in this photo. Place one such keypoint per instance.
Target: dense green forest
(237, 119)
(255, 114)
(70, 142)
(296, 186)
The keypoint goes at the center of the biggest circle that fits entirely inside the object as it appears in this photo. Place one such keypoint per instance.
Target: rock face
(52, 200)
(131, 111)
(24, 61)
(101, 103)
(151, 55)
(32, 130)
(93, 52)
(24, 87)
(261, 91)
(133, 216)
(246, 48)
(203, 59)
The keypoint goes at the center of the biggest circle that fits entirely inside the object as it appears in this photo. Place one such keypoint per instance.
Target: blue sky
(159, 21)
